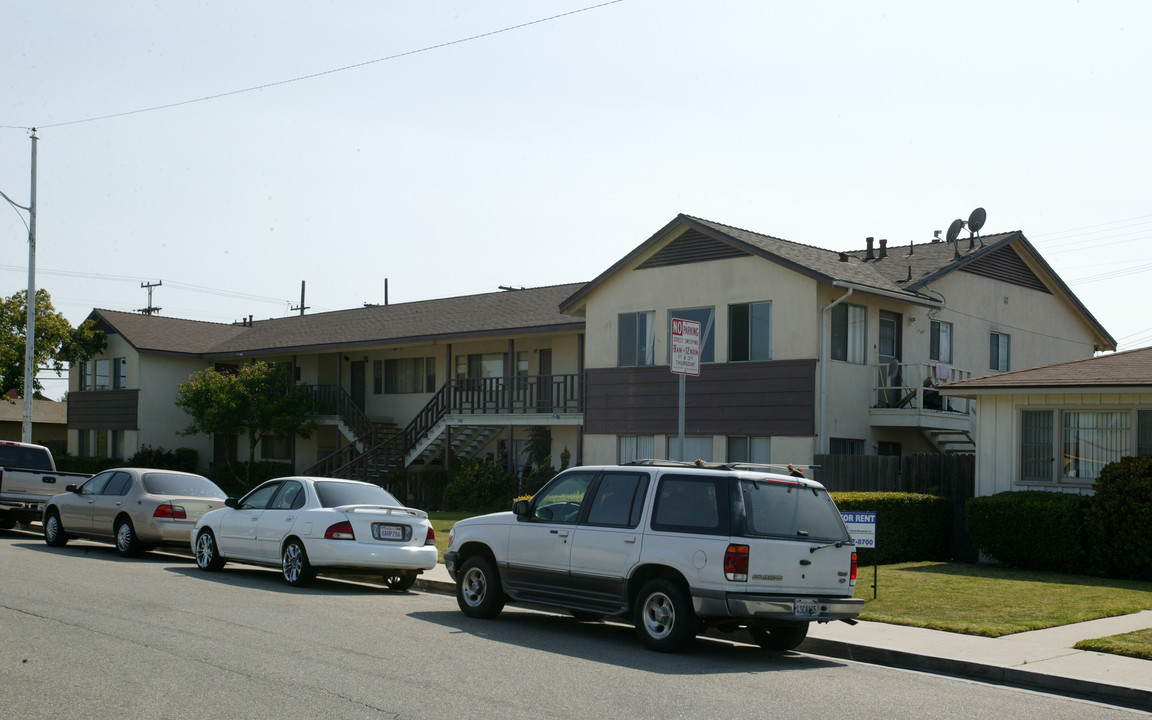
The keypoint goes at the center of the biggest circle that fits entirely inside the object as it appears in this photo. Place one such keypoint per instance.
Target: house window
(119, 374)
(101, 438)
(1144, 432)
(940, 346)
(84, 443)
(634, 447)
(409, 375)
(848, 333)
(275, 448)
(1036, 446)
(1092, 440)
(707, 319)
(845, 446)
(85, 381)
(695, 448)
(756, 450)
(480, 365)
(749, 332)
(636, 339)
(522, 363)
(117, 444)
(377, 377)
(103, 375)
(999, 351)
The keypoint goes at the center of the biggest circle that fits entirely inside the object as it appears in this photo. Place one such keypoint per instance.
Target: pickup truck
(28, 477)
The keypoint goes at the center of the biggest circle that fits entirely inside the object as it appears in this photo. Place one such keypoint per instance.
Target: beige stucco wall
(998, 433)
(160, 420)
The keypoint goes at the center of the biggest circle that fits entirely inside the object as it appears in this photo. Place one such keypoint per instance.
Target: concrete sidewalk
(1041, 660)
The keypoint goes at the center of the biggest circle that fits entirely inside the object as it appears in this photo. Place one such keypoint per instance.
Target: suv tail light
(170, 511)
(736, 563)
(340, 531)
(431, 539)
(853, 567)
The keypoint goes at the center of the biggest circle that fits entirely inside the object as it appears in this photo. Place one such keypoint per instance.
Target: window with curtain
(999, 352)
(1036, 450)
(845, 446)
(409, 375)
(636, 339)
(848, 333)
(635, 447)
(749, 332)
(1094, 439)
(757, 450)
(695, 448)
(940, 345)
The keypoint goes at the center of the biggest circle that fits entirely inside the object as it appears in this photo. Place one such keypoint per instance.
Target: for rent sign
(685, 347)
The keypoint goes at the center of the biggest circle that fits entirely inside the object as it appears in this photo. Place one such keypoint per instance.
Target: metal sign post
(685, 361)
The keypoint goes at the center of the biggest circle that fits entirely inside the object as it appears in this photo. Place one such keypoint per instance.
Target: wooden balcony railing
(912, 386)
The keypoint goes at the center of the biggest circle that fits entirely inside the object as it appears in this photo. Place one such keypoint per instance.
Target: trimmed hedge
(479, 486)
(1036, 530)
(909, 526)
(1119, 520)
(235, 486)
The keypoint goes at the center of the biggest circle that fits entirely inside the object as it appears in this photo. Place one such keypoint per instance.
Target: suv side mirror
(520, 508)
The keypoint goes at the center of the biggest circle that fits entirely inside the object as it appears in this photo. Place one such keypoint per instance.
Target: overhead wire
(332, 71)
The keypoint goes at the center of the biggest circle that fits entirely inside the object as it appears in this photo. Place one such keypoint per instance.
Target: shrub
(87, 465)
(1031, 529)
(909, 526)
(1118, 529)
(181, 459)
(479, 486)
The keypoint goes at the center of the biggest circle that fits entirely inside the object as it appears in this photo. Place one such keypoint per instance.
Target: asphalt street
(86, 634)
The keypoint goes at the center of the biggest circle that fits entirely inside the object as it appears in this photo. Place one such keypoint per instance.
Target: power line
(322, 73)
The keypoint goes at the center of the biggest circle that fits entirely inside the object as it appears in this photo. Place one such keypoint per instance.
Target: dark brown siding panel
(760, 399)
(104, 410)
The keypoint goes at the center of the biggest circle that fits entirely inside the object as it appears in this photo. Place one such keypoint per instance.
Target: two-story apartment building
(809, 351)
(474, 371)
(805, 351)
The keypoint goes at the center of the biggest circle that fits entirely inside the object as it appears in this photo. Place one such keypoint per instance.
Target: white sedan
(304, 524)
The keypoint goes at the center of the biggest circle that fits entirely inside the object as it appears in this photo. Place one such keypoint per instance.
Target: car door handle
(288, 519)
(629, 538)
(561, 533)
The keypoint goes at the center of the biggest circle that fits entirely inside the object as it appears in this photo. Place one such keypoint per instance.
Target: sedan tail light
(431, 539)
(340, 531)
(170, 511)
(736, 563)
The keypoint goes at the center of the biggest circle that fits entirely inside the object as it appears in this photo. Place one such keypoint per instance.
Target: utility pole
(151, 310)
(302, 307)
(30, 331)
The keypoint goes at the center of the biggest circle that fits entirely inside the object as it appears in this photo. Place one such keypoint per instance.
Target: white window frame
(1108, 443)
(635, 447)
(1000, 351)
(759, 328)
(647, 345)
(855, 334)
(940, 336)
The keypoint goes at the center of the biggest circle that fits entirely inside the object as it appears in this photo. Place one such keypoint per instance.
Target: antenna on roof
(975, 222)
(954, 232)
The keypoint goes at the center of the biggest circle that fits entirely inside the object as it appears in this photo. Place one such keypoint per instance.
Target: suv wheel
(779, 637)
(478, 591)
(664, 619)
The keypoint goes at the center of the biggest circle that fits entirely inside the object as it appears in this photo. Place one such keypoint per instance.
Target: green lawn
(992, 601)
(978, 599)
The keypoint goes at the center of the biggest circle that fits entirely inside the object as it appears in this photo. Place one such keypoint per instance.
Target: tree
(259, 399)
(57, 342)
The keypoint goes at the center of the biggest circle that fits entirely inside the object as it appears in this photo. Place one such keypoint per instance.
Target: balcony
(905, 396)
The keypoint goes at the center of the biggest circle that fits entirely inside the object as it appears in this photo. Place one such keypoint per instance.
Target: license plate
(382, 531)
(807, 608)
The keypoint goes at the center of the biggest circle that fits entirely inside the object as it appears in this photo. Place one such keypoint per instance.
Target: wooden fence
(950, 476)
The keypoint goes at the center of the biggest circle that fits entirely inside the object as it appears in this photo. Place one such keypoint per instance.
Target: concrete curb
(1016, 677)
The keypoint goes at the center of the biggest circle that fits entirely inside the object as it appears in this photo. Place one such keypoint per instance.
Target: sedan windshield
(335, 494)
(157, 483)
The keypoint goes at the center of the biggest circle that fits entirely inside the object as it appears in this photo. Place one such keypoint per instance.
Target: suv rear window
(787, 510)
(691, 504)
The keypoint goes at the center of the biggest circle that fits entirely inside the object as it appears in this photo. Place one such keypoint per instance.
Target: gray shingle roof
(532, 310)
(1131, 368)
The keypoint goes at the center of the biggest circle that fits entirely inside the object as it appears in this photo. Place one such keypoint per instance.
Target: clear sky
(454, 147)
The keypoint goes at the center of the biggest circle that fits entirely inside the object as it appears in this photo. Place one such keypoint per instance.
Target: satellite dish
(954, 229)
(976, 220)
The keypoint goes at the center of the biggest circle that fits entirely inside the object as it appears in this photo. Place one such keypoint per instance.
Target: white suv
(675, 547)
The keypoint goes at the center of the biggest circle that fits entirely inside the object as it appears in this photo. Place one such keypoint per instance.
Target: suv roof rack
(797, 470)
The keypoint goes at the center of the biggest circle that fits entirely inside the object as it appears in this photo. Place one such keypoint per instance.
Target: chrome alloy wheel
(293, 562)
(659, 615)
(124, 537)
(474, 586)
